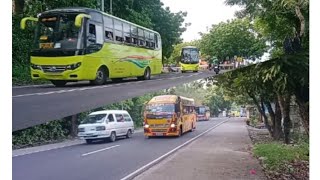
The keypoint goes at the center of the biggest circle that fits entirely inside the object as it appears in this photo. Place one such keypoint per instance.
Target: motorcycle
(216, 69)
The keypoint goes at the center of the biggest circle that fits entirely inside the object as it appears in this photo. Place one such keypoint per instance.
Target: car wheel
(112, 137)
(129, 134)
(89, 141)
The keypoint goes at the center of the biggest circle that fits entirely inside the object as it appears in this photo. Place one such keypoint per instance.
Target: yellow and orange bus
(169, 115)
(75, 44)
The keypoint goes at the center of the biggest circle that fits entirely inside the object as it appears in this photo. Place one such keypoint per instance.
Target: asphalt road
(33, 105)
(100, 161)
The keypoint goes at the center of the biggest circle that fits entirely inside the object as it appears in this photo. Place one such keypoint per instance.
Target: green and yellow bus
(190, 59)
(169, 115)
(75, 44)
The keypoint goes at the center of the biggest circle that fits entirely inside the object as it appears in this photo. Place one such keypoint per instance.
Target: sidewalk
(221, 154)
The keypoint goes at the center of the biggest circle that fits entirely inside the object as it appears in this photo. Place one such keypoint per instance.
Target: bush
(276, 155)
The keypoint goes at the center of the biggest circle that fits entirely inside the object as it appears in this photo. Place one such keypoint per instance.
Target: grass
(276, 155)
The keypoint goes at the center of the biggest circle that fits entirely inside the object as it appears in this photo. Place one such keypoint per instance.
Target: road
(100, 161)
(33, 105)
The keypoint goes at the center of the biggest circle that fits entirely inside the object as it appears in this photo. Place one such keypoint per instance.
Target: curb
(159, 159)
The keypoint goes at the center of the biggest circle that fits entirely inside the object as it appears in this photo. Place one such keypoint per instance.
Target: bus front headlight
(146, 126)
(73, 66)
(172, 125)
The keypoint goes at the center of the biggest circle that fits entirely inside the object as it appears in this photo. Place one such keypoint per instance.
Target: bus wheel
(146, 75)
(195, 71)
(101, 77)
(59, 83)
(180, 131)
(183, 71)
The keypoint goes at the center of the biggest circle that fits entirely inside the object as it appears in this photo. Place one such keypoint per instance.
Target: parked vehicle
(107, 124)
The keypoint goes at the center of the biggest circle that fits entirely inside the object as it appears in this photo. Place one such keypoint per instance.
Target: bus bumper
(169, 132)
(69, 75)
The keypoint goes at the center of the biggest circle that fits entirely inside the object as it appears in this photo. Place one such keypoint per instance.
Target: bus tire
(59, 83)
(180, 131)
(183, 71)
(195, 71)
(146, 74)
(101, 76)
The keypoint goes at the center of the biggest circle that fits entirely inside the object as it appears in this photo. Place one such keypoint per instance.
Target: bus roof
(169, 99)
(88, 10)
(190, 47)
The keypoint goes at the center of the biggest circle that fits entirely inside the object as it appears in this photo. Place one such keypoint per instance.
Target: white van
(107, 124)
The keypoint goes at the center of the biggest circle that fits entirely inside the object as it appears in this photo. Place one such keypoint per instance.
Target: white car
(107, 124)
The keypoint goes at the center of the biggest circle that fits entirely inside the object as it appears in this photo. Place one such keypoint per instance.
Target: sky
(201, 14)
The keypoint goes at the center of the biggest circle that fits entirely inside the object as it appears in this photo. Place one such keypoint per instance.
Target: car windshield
(153, 108)
(92, 119)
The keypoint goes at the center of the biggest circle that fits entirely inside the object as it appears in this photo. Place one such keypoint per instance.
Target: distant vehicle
(203, 113)
(107, 124)
(169, 115)
(75, 44)
(190, 59)
(216, 69)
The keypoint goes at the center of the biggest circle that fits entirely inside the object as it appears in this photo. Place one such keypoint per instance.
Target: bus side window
(92, 34)
(109, 35)
(156, 41)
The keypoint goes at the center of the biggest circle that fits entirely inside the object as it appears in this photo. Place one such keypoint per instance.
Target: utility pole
(111, 7)
(102, 5)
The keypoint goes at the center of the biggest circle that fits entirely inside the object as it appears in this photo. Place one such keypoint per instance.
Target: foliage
(43, 133)
(233, 38)
(275, 155)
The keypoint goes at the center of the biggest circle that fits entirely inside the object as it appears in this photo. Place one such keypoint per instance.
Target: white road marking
(86, 154)
(42, 150)
(89, 88)
(147, 166)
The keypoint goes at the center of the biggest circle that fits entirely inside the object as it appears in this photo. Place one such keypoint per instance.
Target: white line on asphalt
(42, 150)
(89, 88)
(147, 166)
(86, 154)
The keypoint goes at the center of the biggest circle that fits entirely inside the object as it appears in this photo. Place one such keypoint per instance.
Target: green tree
(233, 38)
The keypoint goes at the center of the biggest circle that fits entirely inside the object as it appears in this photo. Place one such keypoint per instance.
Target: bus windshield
(57, 32)
(153, 108)
(200, 110)
(190, 56)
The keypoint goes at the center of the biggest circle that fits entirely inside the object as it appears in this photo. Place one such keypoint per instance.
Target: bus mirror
(24, 21)
(78, 20)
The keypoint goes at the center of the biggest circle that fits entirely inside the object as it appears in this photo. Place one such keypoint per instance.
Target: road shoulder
(223, 153)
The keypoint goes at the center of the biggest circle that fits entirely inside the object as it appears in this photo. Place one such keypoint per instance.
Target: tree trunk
(277, 133)
(284, 102)
(304, 113)
(18, 6)
(261, 111)
(74, 126)
(275, 116)
(302, 20)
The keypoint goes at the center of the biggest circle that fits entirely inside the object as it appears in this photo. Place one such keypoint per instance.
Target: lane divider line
(159, 159)
(92, 152)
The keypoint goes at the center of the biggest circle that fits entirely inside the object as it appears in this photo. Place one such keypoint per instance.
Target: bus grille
(159, 125)
(159, 130)
(53, 69)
